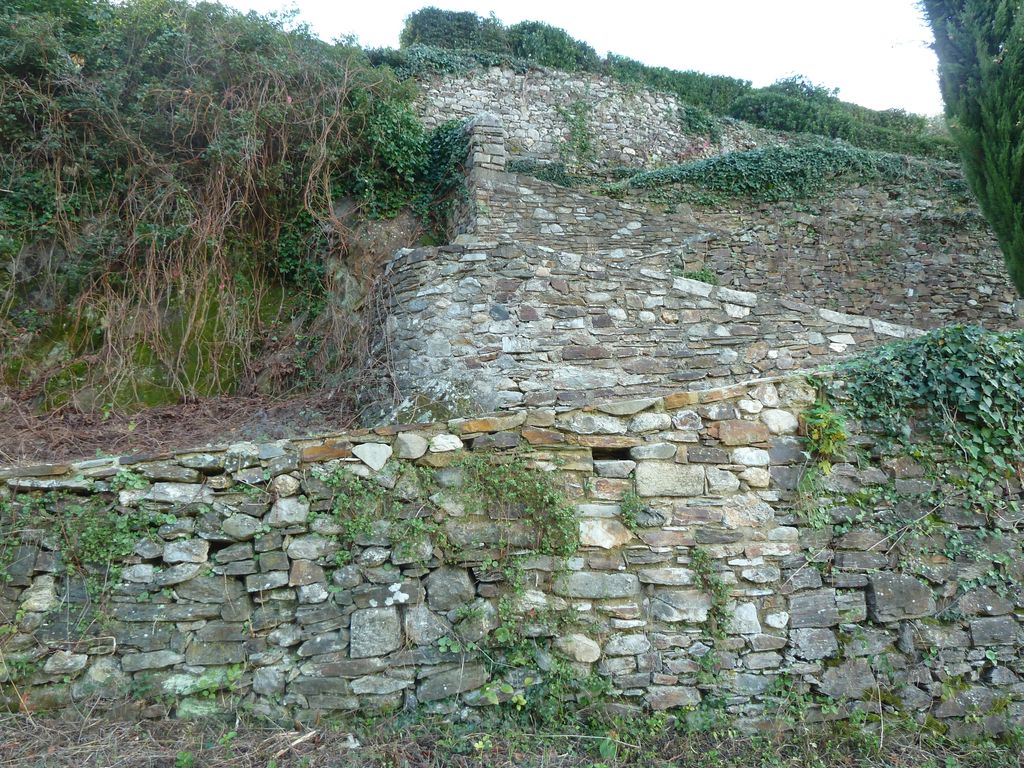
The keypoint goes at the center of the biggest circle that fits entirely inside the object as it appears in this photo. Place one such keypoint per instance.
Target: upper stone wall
(905, 253)
(627, 126)
(514, 325)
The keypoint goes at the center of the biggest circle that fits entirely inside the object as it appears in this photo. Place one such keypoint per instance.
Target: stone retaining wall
(626, 126)
(513, 326)
(237, 597)
(911, 254)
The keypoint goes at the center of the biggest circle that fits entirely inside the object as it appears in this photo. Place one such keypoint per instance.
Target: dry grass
(27, 436)
(86, 740)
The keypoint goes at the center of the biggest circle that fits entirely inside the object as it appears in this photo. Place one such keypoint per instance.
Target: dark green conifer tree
(980, 45)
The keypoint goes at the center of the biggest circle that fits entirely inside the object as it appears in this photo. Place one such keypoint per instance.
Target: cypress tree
(980, 46)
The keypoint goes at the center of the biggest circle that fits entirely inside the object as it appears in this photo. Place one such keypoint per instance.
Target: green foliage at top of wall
(534, 41)
(770, 173)
(797, 105)
(963, 385)
(792, 104)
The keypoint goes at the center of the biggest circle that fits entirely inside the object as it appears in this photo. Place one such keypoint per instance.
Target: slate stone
(242, 527)
(627, 645)
(186, 551)
(593, 585)
(208, 654)
(449, 588)
(423, 626)
(813, 609)
(209, 589)
(997, 630)
(850, 680)
(65, 663)
(136, 662)
(661, 697)
(305, 572)
(897, 596)
(268, 681)
(463, 678)
(261, 582)
(813, 644)
(374, 632)
(168, 471)
(379, 685)
(293, 510)
(687, 605)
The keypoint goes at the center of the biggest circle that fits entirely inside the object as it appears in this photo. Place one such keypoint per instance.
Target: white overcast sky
(875, 51)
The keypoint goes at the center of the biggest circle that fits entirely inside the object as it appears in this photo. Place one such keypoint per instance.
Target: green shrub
(771, 173)
(453, 29)
(715, 93)
(965, 382)
(551, 47)
(190, 147)
(799, 106)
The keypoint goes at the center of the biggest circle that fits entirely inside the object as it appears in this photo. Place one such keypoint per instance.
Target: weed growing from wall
(578, 149)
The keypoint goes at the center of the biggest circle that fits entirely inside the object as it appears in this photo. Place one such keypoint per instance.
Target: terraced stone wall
(912, 253)
(513, 326)
(624, 126)
(251, 581)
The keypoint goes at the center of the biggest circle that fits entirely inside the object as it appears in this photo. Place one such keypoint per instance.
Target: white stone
(780, 422)
(756, 477)
(751, 457)
(374, 455)
(750, 406)
(444, 443)
(666, 478)
(767, 394)
(744, 620)
(777, 620)
(747, 511)
(578, 648)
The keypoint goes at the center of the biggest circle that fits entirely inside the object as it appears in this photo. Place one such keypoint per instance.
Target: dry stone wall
(905, 253)
(513, 326)
(253, 584)
(626, 126)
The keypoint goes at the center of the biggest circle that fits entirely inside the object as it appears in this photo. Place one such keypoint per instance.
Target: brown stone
(740, 432)
(538, 436)
(487, 424)
(608, 441)
(330, 449)
(681, 399)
